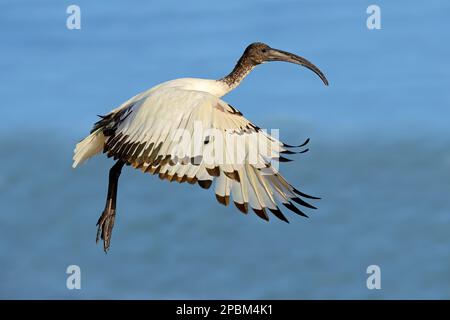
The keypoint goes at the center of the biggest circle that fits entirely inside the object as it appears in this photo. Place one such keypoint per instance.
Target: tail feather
(88, 147)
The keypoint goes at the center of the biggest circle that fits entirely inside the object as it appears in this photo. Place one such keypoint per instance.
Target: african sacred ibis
(154, 132)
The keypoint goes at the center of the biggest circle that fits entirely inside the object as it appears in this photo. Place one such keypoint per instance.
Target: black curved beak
(280, 55)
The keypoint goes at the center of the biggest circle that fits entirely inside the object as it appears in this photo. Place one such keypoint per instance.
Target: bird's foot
(105, 225)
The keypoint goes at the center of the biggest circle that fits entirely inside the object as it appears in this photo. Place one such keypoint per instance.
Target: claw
(105, 226)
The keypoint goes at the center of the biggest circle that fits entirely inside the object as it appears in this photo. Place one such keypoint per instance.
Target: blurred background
(379, 151)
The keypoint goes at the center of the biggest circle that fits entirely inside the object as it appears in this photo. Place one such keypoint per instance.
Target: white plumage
(155, 131)
(153, 118)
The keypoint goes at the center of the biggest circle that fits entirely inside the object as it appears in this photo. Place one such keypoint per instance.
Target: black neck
(240, 71)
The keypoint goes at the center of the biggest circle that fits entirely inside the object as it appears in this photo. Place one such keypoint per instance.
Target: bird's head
(259, 52)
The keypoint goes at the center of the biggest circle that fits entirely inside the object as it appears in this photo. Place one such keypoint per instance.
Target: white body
(155, 115)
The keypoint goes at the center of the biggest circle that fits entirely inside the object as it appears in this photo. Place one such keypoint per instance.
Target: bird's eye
(264, 50)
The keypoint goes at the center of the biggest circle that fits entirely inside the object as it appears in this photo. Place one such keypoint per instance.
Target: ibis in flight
(183, 131)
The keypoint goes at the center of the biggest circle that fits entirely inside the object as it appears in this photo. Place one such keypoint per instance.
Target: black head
(259, 52)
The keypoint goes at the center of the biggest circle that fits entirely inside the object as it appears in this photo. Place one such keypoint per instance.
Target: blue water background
(379, 158)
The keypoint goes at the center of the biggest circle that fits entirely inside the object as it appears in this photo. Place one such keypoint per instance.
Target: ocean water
(379, 152)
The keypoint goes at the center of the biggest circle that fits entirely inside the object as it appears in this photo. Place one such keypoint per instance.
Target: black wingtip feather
(293, 208)
(299, 146)
(283, 159)
(304, 143)
(277, 213)
(303, 203)
(205, 184)
(243, 207)
(293, 152)
(261, 213)
(288, 152)
(304, 195)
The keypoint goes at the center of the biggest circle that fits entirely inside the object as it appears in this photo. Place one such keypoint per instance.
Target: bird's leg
(106, 221)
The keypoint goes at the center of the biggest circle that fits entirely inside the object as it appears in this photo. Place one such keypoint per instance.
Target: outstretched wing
(195, 137)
